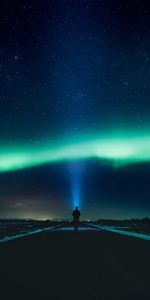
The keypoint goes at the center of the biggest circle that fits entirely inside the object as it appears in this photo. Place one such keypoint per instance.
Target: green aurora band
(118, 151)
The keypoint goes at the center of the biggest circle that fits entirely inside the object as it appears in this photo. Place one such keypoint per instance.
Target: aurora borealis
(74, 108)
(118, 151)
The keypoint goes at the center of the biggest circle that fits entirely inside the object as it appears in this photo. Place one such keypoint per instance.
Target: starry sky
(74, 108)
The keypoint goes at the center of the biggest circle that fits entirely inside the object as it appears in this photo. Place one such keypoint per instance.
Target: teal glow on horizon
(117, 150)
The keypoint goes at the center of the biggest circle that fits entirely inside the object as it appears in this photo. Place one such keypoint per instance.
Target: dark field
(11, 228)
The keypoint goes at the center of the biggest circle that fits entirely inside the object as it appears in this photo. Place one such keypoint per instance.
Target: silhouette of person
(76, 215)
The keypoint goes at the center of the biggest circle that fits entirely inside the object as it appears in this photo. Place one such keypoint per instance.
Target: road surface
(61, 264)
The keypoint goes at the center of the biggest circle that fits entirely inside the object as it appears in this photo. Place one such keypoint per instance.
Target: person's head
(76, 208)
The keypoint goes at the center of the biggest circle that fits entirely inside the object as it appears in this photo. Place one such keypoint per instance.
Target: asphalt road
(66, 265)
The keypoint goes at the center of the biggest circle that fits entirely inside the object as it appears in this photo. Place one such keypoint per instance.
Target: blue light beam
(76, 176)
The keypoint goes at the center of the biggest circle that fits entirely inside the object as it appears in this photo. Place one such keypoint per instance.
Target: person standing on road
(76, 215)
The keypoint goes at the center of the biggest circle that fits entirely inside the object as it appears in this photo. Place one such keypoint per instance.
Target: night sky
(74, 108)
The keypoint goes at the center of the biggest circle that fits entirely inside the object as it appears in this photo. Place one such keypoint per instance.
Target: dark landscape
(62, 264)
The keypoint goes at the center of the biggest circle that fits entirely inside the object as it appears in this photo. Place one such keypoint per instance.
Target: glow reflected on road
(79, 229)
